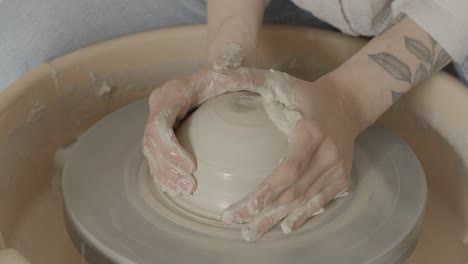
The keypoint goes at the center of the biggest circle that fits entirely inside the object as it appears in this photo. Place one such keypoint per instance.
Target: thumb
(229, 58)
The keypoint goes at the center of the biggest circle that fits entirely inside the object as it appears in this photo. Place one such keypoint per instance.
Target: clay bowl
(236, 147)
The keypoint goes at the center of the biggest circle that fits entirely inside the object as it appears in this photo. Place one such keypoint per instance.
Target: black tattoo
(433, 43)
(441, 61)
(396, 96)
(418, 49)
(421, 73)
(395, 67)
(431, 58)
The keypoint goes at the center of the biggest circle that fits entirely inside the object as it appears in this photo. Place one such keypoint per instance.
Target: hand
(317, 165)
(171, 165)
(236, 23)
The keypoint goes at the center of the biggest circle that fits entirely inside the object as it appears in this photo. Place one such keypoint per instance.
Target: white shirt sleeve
(445, 20)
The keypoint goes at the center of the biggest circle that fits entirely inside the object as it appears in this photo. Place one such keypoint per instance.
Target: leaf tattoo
(401, 71)
(419, 49)
(395, 21)
(433, 43)
(395, 67)
(442, 59)
(396, 96)
(421, 73)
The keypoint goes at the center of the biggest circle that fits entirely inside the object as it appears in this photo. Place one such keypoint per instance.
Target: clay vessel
(236, 146)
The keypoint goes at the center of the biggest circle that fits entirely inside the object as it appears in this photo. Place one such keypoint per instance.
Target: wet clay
(235, 145)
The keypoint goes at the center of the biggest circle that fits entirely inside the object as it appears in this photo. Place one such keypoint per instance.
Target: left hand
(171, 166)
(317, 165)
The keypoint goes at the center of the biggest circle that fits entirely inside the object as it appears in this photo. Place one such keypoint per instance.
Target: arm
(388, 67)
(234, 21)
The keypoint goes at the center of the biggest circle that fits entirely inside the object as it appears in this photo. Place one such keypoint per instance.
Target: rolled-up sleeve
(445, 20)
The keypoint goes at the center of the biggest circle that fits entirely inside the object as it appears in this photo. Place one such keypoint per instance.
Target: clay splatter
(104, 89)
(37, 109)
(53, 73)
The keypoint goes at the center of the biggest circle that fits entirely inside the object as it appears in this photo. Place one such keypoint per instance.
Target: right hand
(170, 164)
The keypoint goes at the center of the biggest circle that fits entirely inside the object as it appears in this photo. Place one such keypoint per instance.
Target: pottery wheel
(115, 213)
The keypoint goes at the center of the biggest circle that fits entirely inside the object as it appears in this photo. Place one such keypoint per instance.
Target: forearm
(234, 21)
(388, 67)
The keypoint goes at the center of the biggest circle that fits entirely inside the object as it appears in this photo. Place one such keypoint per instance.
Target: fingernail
(170, 188)
(183, 167)
(253, 206)
(227, 217)
(319, 211)
(249, 235)
(186, 167)
(163, 188)
(231, 217)
(186, 185)
(291, 222)
(285, 226)
(342, 194)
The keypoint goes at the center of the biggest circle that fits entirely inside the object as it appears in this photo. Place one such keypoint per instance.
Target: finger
(167, 177)
(216, 83)
(245, 79)
(248, 79)
(308, 182)
(173, 94)
(315, 204)
(327, 156)
(168, 104)
(342, 193)
(160, 134)
(305, 140)
(299, 215)
(266, 83)
(230, 57)
(267, 219)
(333, 176)
(243, 211)
(323, 160)
(306, 144)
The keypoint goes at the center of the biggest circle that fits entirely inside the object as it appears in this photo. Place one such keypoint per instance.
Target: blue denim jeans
(33, 32)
